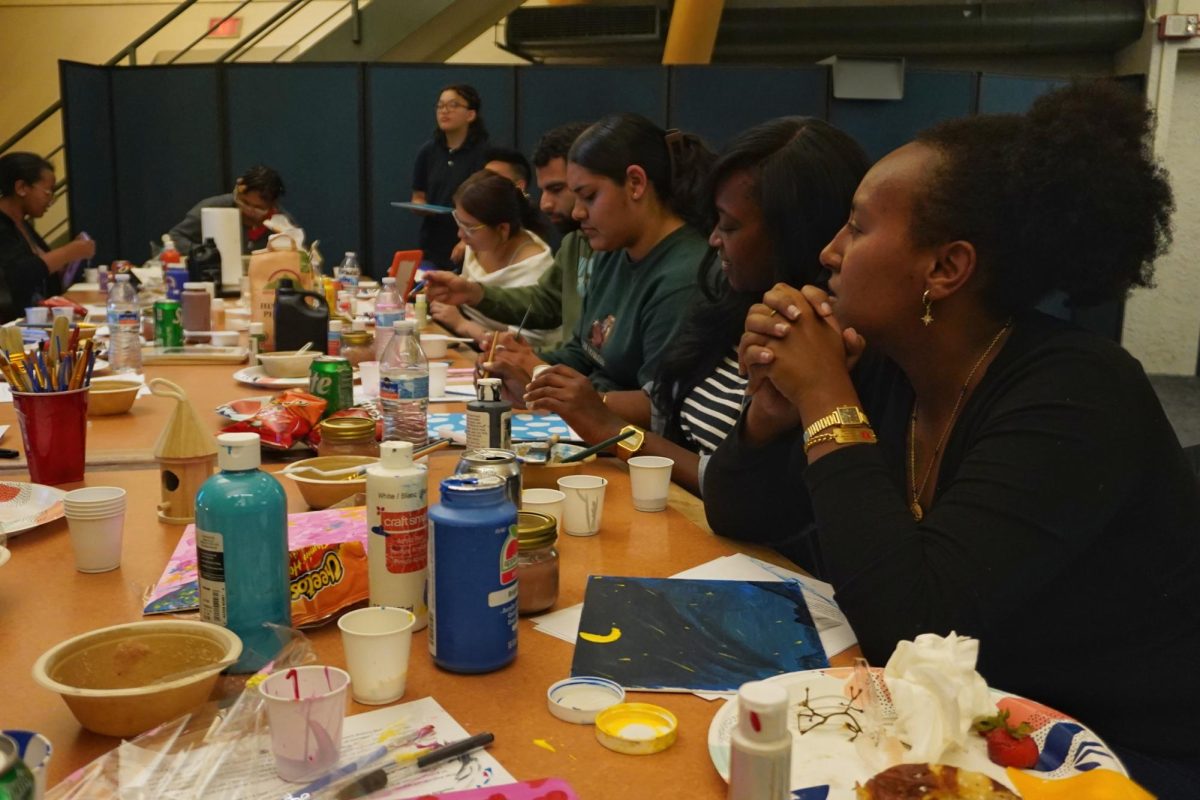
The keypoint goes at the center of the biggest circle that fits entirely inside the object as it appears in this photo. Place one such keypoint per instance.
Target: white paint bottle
(760, 750)
(398, 531)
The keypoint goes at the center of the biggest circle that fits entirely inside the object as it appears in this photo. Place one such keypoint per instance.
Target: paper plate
(826, 764)
(257, 376)
(24, 506)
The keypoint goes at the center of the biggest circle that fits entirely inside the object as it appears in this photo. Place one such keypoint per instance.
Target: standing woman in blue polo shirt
(456, 151)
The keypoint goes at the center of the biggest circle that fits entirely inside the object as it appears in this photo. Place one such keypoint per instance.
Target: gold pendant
(917, 513)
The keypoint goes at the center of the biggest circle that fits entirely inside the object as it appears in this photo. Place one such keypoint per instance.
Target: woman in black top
(28, 266)
(456, 151)
(1026, 488)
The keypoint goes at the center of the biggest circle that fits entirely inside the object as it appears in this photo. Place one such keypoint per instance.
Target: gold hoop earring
(927, 317)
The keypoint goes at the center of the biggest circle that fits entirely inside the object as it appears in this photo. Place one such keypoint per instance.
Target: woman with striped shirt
(780, 191)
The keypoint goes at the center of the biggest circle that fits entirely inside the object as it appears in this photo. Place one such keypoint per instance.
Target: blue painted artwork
(526, 427)
(667, 634)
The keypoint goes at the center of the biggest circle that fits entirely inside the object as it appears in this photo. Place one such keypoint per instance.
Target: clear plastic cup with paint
(305, 710)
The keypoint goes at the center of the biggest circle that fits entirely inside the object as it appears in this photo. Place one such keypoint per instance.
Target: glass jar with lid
(357, 347)
(537, 562)
(348, 436)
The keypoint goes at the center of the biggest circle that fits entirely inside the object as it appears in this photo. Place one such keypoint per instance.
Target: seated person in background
(494, 220)
(1026, 488)
(639, 200)
(512, 164)
(555, 300)
(255, 195)
(29, 268)
(781, 190)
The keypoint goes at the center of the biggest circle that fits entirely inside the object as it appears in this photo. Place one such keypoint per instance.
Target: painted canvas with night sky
(667, 634)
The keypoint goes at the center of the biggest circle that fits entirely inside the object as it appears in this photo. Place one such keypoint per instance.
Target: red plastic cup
(54, 429)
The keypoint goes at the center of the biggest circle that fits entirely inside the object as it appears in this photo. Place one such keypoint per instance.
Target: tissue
(936, 694)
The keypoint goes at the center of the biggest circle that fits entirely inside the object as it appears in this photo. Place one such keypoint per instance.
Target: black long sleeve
(1064, 533)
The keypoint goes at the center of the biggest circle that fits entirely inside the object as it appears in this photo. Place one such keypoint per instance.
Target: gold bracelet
(842, 434)
(820, 438)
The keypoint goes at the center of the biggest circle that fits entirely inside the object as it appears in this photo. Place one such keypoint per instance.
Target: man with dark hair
(511, 163)
(557, 297)
(255, 194)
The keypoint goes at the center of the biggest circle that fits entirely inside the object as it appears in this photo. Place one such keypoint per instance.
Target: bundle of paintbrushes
(58, 364)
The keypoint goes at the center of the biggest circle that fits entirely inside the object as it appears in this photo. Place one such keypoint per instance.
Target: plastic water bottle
(124, 326)
(404, 387)
(388, 311)
(348, 273)
(242, 550)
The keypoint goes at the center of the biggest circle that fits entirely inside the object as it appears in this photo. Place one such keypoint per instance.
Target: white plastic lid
(256, 327)
(335, 324)
(762, 711)
(580, 699)
(238, 451)
(122, 276)
(396, 455)
(195, 286)
(167, 241)
(389, 281)
(488, 389)
(404, 325)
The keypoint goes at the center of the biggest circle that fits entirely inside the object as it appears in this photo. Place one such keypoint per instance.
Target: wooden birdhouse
(186, 455)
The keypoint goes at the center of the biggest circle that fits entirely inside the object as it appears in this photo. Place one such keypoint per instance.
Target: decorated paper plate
(826, 763)
(24, 506)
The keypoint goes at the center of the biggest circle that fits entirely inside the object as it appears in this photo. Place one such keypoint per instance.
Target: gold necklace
(917, 491)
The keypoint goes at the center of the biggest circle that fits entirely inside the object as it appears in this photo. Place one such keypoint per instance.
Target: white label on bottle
(404, 388)
(502, 596)
(479, 431)
(210, 558)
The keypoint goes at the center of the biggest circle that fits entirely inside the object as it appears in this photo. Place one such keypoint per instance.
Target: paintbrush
(524, 319)
(483, 373)
(596, 448)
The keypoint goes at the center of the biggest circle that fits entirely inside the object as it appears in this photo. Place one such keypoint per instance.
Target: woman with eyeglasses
(780, 191)
(256, 195)
(29, 268)
(503, 235)
(457, 150)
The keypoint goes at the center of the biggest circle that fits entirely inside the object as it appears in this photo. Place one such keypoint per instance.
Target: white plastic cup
(63, 311)
(368, 373)
(650, 481)
(437, 378)
(37, 315)
(545, 501)
(583, 504)
(94, 499)
(96, 539)
(377, 641)
(305, 710)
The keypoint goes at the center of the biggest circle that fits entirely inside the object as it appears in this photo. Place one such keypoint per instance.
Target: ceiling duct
(778, 31)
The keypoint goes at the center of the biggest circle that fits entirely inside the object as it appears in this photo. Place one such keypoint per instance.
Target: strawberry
(1007, 745)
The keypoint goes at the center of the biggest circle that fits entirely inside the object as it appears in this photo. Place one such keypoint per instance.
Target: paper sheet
(832, 626)
(250, 771)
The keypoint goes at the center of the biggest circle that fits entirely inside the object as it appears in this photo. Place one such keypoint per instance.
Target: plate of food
(24, 506)
(832, 754)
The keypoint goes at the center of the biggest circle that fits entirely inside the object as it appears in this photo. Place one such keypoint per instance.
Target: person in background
(982, 467)
(29, 268)
(500, 231)
(780, 191)
(455, 152)
(512, 164)
(639, 200)
(556, 298)
(255, 194)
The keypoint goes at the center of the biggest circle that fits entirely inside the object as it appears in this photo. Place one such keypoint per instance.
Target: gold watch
(849, 416)
(632, 444)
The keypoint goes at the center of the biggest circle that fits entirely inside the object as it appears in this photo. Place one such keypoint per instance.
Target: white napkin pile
(936, 693)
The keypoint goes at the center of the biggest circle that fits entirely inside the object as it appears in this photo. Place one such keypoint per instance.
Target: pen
(596, 448)
(361, 762)
(376, 779)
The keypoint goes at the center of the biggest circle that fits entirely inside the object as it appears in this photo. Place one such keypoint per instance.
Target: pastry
(932, 782)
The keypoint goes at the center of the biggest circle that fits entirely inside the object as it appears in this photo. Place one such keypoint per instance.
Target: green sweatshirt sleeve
(543, 299)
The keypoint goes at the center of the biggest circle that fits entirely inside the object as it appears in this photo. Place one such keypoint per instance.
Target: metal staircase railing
(241, 49)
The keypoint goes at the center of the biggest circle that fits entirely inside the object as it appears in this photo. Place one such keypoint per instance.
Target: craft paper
(526, 427)
(667, 634)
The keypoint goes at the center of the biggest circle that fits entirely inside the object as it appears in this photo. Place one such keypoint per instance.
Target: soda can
(494, 461)
(473, 558)
(174, 277)
(16, 781)
(332, 379)
(168, 328)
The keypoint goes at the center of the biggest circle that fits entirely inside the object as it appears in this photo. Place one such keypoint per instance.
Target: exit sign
(229, 29)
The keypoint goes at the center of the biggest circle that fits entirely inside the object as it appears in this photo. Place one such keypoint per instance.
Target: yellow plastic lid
(636, 729)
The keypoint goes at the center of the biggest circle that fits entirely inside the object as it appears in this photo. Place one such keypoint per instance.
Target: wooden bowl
(321, 492)
(545, 476)
(109, 396)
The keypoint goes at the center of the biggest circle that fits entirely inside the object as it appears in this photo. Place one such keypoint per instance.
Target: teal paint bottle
(242, 550)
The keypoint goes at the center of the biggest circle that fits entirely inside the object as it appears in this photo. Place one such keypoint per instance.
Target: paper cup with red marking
(305, 710)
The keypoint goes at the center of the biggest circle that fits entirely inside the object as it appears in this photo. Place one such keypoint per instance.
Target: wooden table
(43, 601)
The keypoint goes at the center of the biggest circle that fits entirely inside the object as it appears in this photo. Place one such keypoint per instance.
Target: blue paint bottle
(242, 550)
(473, 575)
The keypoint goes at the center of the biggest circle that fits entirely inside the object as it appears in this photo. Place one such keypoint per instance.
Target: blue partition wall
(718, 102)
(87, 125)
(400, 118)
